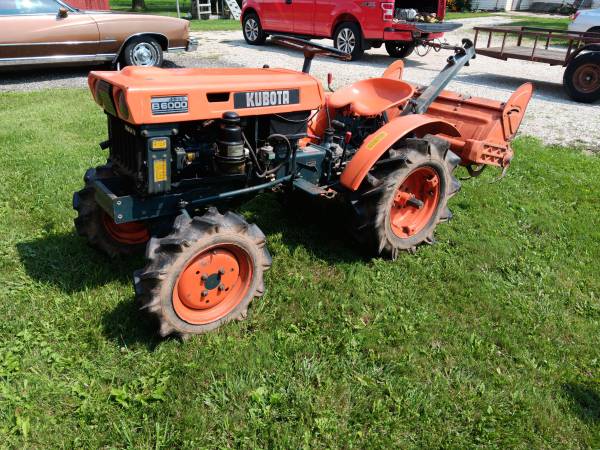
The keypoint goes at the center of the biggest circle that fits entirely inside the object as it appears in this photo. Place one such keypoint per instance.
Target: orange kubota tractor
(184, 142)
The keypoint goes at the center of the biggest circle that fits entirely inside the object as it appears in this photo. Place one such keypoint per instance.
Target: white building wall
(508, 5)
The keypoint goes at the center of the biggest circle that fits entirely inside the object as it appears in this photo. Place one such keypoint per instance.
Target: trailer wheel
(100, 230)
(411, 201)
(348, 38)
(253, 31)
(582, 78)
(399, 49)
(204, 274)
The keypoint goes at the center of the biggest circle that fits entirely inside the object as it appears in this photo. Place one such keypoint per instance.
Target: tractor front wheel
(412, 199)
(204, 274)
(100, 230)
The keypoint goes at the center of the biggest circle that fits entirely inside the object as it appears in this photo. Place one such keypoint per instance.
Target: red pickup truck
(354, 25)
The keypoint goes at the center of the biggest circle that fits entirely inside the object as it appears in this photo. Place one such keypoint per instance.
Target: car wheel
(348, 38)
(143, 51)
(253, 32)
(582, 78)
(399, 49)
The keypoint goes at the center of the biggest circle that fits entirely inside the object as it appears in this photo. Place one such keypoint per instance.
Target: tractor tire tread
(371, 210)
(155, 282)
(88, 223)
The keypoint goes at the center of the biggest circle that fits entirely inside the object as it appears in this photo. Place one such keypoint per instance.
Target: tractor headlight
(122, 107)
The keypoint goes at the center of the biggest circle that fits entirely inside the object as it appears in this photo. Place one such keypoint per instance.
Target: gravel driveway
(552, 116)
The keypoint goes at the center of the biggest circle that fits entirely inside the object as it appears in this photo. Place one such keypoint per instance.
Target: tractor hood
(146, 95)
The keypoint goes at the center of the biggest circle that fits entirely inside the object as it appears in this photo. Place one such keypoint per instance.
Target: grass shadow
(66, 262)
(585, 400)
(127, 326)
(317, 225)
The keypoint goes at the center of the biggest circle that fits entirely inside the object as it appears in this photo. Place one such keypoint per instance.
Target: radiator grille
(126, 148)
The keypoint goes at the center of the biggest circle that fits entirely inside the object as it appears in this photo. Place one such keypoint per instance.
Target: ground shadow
(585, 400)
(367, 60)
(66, 262)
(316, 224)
(17, 77)
(544, 90)
(126, 325)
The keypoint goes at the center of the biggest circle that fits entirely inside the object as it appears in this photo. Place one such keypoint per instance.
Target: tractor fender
(376, 144)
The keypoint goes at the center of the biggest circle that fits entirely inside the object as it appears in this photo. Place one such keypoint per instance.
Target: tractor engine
(161, 158)
(179, 129)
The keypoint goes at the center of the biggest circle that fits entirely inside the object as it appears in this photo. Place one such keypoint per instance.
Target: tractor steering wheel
(310, 49)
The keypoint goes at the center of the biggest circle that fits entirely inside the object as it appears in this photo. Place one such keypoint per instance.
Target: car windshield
(12, 7)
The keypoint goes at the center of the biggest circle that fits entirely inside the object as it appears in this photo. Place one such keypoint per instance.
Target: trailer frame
(583, 88)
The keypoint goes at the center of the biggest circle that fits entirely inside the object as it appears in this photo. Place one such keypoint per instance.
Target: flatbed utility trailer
(580, 56)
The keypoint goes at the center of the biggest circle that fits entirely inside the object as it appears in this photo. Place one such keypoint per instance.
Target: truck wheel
(253, 32)
(204, 274)
(348, 38)
(100, 230)
(143, 51)
(399, 49)
(411, 201)
(581, 79)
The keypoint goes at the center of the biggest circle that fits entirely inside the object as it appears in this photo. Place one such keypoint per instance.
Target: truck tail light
(388, 11)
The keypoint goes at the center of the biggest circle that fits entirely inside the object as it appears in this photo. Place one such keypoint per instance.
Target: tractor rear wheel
(412, 199)
(203, 274)
(100, 230)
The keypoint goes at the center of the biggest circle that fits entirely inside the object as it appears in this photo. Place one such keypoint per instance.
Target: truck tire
(348, 38)
(399, 49)
(100, 230)
(252, 29)
(203, 274)
(411, 201)
(143, 51)
(581, 79)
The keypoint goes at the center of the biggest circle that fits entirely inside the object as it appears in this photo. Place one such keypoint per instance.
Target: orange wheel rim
(212, 284)
(131, 233)
(415, 202)
(587, 78)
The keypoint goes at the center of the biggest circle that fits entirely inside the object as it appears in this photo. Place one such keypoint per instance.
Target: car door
(324, 15)
(38, 31)
(277, 15)
(304, 16)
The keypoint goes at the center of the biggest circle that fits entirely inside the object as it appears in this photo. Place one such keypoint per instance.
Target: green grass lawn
(167, 8)
(467, 15)
(543, 22)
(487, 339)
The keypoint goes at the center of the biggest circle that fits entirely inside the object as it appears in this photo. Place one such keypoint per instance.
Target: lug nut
(204, 293)
(221, 271)
(221, 287)
(203, 277)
